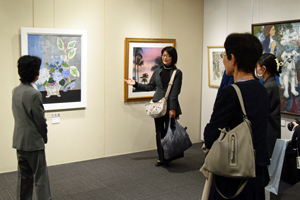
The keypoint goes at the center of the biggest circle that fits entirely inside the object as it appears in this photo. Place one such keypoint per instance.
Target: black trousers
(32, 170)
(161, 128)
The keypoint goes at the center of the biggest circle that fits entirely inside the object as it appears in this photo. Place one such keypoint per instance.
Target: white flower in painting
(44, 76)
(57, 76)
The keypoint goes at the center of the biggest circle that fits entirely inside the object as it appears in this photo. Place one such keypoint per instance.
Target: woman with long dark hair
(269, 44)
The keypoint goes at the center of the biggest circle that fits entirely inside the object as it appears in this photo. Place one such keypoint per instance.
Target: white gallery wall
(222, 17)
(108, 126)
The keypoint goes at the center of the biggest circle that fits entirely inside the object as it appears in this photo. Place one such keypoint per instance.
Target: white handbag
(159, 109)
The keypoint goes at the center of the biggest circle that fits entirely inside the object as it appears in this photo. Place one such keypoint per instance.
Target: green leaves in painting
(71, 44)
(47, 84)
(58, 69)
(69, 84)
(60, 44)
(72, 53)
(62, 82)
(52, 69)
(74, 71)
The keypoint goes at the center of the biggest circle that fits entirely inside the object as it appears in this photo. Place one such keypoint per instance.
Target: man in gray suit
(30, 132)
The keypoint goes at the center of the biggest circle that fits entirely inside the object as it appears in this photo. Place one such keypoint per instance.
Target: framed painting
(142, 57)
(63, 72)
(216, 67)
(283, 40)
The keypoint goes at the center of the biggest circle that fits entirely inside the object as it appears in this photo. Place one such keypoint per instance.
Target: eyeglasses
(165, 56)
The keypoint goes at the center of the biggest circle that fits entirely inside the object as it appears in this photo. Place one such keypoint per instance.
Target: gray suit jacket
(155, 83)
(30, 130)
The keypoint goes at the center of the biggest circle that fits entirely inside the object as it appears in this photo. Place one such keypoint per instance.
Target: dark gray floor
(131, 176)
(292, 193)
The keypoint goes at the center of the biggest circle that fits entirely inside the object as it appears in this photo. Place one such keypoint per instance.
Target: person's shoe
(158, 163)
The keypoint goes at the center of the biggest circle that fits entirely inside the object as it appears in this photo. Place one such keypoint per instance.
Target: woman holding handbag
(242, 52)
(159, 81)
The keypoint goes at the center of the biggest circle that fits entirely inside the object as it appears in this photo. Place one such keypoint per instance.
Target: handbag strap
(239, 94)
(241, 187)
(170, 84)
(243, 182)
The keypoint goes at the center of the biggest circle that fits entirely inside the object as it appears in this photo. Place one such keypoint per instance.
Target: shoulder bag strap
(239, 94)
(170, 84)
(243, 182)
(241, 187)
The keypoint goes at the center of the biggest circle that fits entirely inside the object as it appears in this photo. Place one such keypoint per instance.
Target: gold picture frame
(215, 65)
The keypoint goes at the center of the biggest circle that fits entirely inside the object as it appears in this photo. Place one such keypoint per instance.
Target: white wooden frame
(25, 31)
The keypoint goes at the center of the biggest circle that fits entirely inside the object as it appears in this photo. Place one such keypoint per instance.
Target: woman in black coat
(242, 52)
(267, 67)
(159, 81)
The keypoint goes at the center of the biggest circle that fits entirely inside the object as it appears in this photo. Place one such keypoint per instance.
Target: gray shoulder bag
(232, 154)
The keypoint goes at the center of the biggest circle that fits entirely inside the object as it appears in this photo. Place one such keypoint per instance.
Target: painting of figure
(283, 40)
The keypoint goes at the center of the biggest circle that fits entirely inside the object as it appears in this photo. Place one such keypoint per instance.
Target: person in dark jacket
(242, 51)
(30, 132)
(267, 67)
(226, 80)
(159, 81)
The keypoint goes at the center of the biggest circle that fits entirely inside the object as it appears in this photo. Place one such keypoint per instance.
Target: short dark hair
(268, 60)
(172, 53)
(246, 48)
(28, 68)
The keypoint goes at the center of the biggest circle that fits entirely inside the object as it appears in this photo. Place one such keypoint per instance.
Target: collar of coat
(162, 66)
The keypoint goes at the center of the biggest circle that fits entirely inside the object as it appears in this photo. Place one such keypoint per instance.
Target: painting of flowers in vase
(59, 72)
(60, 80)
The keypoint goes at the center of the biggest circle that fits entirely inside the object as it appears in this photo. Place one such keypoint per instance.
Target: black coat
(228, 113)
(156, 83)
(274, 129)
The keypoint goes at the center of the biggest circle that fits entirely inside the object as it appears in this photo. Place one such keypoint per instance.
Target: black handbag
(290, 173)
(176, 141)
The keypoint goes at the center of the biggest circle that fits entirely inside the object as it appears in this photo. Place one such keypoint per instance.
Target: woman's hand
(130, 81)
(172, 113)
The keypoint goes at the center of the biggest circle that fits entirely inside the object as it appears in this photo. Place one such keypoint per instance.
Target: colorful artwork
(142, 57)
(145, 61)
(283, 40)
(216, 67)
(58, 71)
(60, 80)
